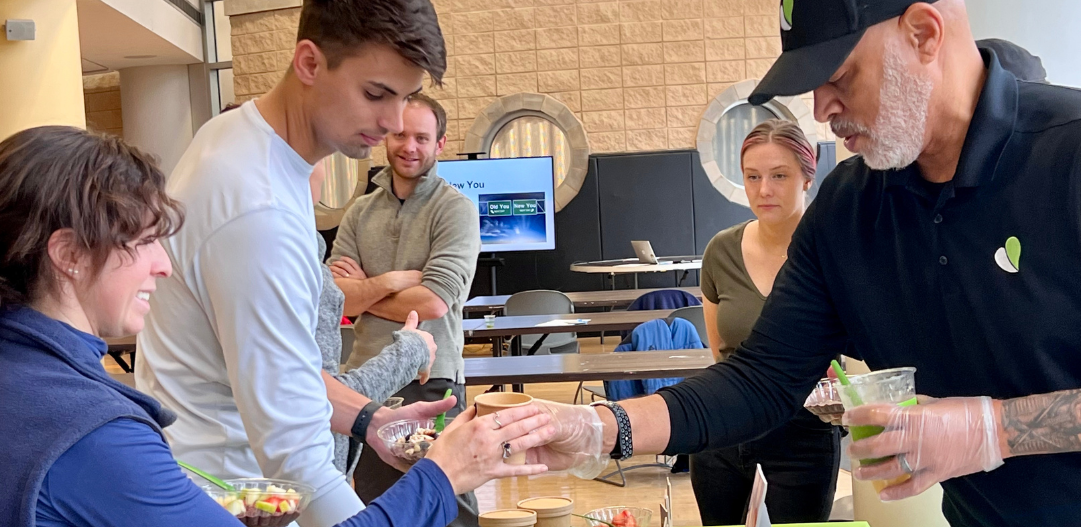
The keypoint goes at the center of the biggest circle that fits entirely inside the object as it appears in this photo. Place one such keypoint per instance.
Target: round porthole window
(345, 180)
(727, 121)
(532, 125)
(533, 136)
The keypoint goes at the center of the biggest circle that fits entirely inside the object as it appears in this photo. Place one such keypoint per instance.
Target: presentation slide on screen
(514, 198)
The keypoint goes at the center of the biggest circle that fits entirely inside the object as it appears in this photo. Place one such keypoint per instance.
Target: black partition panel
(646, 196)
(664, 197)
(713, 212)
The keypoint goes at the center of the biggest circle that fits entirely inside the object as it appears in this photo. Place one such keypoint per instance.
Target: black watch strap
(624, 447)
(364, 418)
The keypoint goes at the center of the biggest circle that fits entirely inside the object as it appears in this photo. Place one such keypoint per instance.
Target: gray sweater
(436, 231)
(377, 379)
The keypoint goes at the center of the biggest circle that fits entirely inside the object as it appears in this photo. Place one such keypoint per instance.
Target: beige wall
(41, 83)
(101, 98)
(638, 73)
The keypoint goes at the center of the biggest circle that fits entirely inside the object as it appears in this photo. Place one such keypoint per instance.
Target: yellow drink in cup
(893, 386)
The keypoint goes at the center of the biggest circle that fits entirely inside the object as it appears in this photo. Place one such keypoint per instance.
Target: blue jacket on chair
(651, 336)
(663, 299)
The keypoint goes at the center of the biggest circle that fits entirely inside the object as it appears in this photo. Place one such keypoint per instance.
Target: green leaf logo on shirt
(786, 14)
(1009, 257)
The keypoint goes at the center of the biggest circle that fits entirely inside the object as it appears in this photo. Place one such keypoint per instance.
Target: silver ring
(506, 450)
(495, 417)
(904, 464)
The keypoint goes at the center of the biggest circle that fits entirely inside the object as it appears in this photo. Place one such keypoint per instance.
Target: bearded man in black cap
(951, 243)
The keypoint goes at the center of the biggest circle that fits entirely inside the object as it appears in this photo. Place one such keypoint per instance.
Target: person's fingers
(886, 470)
(917, 484)
(424, 375)
(889, 443)
(348, 261)
(522, 427)
(510, 415)
(870, 415)
(411, 321)
(504, 470)
(425, 410)
(535, 438)
(925, 400)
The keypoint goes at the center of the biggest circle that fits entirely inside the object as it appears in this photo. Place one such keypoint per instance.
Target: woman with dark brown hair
(80, 220)
(800, 458)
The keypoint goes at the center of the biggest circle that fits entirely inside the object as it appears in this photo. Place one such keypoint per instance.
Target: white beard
(896, 138)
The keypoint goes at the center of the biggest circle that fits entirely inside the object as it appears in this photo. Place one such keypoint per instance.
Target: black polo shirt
(907, 271)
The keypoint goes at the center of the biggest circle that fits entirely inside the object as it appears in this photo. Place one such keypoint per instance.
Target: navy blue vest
(53, 392)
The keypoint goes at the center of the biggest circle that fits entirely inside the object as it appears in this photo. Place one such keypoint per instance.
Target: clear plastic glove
(577, 443)
(939, 438)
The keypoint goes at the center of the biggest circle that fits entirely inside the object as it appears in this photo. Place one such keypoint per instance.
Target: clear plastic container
(825, 399)
(616, 516)
(262, 502)
(404, 441)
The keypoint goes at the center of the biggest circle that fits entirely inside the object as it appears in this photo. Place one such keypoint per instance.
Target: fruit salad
(624, 519)
(262, 503)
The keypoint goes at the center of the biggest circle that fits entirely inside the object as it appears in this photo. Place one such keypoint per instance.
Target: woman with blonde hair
(800, 459)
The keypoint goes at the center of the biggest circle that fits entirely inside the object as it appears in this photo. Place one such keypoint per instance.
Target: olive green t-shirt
(725, 282)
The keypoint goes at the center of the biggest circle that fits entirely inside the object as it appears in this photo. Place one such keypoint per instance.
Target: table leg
(516, 351)
(536, 345)
(118, 356)
(680, 283)
(636, 280)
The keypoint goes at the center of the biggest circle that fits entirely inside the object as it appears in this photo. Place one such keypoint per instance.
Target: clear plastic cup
(489, 321)
(893, 386)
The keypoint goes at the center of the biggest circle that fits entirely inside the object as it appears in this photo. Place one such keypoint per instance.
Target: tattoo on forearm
(1043, 424)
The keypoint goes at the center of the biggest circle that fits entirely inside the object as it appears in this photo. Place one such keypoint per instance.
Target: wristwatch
(624, 447)
(364, 418)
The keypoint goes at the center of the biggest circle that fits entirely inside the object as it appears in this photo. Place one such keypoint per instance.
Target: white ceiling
(110, 30)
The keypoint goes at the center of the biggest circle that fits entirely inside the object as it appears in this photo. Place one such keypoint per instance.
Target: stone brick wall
(101, 100)
(638, 73)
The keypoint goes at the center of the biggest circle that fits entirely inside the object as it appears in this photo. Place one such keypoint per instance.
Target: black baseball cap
(816, 38)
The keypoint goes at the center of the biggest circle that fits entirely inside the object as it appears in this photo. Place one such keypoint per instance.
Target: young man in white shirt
(229, 343)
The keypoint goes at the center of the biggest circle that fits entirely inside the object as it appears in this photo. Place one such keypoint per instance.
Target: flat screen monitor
(515, 198)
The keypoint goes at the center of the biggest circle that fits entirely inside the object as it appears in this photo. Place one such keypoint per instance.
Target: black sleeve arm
(769, 377)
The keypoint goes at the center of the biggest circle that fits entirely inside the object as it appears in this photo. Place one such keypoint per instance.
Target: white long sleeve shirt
(229, 342)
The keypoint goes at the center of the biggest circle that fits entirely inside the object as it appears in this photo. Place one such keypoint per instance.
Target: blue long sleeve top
(123, 474)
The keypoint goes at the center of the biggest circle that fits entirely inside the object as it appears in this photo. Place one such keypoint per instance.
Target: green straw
(855, 397)
(441, 419)
(206, 476)
(594, 519)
